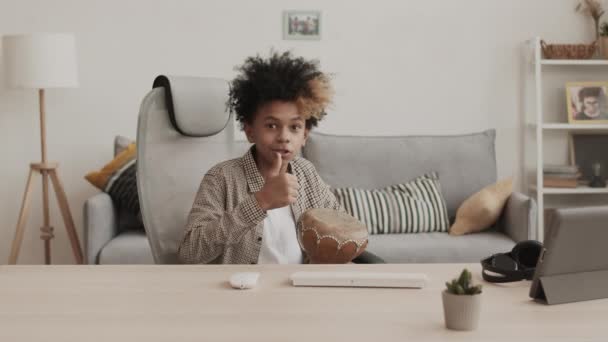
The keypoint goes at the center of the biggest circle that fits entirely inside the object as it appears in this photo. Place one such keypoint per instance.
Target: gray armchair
(112, 236)
(184, 129)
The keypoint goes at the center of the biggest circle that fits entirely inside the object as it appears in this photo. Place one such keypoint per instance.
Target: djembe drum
(329, 236)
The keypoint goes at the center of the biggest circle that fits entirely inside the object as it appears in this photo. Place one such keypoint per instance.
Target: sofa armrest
(100, 224)
(519, 217)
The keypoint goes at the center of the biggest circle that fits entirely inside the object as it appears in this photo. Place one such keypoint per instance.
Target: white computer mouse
(244, 280)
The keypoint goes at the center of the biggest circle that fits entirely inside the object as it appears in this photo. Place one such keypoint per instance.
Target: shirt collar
(255, 181)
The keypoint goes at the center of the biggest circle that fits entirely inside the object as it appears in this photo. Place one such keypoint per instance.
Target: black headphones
(519, 264)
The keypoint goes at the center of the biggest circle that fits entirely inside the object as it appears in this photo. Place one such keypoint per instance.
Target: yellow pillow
(112, 169)
(119, 180)
(482, 209)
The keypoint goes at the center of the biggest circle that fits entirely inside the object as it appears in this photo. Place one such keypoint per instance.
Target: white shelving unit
(572, 61)
(581, 190)
(574, 127)
(540, 127)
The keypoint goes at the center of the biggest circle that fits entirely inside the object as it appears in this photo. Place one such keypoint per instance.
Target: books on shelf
(560, 169)
(560, 183)
(561, 176)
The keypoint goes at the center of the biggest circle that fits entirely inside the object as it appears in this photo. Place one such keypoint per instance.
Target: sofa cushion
(438, 247)
(117, 178)
(483, 209)
(127, 219)
(465, 163)
(413, 207)
(130, 247)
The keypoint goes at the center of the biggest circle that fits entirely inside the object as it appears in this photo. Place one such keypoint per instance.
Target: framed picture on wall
(588, 152)
(302, 25)
(587, 102)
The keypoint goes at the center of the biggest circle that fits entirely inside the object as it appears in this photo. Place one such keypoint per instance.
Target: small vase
(604, 47)
(461, 312)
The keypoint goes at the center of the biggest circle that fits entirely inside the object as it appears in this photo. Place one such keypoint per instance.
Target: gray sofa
(465, 163)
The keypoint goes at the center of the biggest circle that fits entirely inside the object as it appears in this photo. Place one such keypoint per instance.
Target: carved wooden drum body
(329, 236)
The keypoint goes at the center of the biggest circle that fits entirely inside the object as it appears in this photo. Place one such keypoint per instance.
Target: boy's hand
(280, 189)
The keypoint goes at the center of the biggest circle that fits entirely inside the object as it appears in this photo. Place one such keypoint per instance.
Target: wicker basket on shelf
(568, 51)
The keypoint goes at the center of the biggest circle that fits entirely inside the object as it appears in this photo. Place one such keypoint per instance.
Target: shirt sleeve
(210, 227)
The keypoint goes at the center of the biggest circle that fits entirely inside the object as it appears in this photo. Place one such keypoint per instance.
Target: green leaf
(476, 289)
(459, 290)
(465, 279)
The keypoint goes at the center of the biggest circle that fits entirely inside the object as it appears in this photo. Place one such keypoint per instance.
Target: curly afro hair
(280, 77)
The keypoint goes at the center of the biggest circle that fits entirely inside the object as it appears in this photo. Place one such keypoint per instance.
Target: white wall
(402, 67)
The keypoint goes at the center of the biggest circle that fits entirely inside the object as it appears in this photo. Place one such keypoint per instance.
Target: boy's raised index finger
(277, 164)
(284, 164)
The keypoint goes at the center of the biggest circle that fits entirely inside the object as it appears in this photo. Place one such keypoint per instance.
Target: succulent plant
(462, 285)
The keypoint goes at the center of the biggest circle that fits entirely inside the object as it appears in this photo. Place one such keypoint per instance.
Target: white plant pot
(461, 312)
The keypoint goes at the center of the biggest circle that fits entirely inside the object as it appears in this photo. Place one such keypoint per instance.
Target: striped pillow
(414, 207)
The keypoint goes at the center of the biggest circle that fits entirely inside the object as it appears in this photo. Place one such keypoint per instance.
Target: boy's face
(277, 127)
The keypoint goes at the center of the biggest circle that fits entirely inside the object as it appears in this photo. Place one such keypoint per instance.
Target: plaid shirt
(225, 224)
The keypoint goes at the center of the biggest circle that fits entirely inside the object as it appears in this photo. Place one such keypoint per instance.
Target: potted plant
(461, 303)
(595, 10)
(604, 40)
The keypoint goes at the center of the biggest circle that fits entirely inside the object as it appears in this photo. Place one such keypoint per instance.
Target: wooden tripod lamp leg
(25, 207)
(46, 231)
(67, 216)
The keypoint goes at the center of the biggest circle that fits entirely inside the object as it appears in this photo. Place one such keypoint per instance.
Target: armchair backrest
(183, 130)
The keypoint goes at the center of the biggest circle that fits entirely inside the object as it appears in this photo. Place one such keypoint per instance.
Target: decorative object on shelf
(597, 181)
(40, 61)
(604, 40)
(568, 51)
(302, 25)
(462, 303)
(593, 9)
(561, 176)
(587, 149)
(587, 102)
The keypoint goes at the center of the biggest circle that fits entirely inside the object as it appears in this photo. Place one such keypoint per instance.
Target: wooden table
(195, 303)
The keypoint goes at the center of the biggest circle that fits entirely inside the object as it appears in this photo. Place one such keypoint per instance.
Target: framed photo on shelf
(302, 25)
(587, 149)
(587, 102)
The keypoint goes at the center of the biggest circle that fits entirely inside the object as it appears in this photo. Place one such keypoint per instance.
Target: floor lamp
(41, 61)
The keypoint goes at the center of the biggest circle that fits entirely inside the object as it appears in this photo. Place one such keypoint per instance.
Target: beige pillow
(482, 209)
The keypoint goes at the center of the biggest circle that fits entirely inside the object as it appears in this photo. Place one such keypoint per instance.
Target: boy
(246, 208)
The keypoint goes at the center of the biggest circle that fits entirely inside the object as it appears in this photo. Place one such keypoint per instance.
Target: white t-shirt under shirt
(279, 240)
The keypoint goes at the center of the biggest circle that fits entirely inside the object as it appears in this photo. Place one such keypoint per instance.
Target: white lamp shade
(41, 60)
